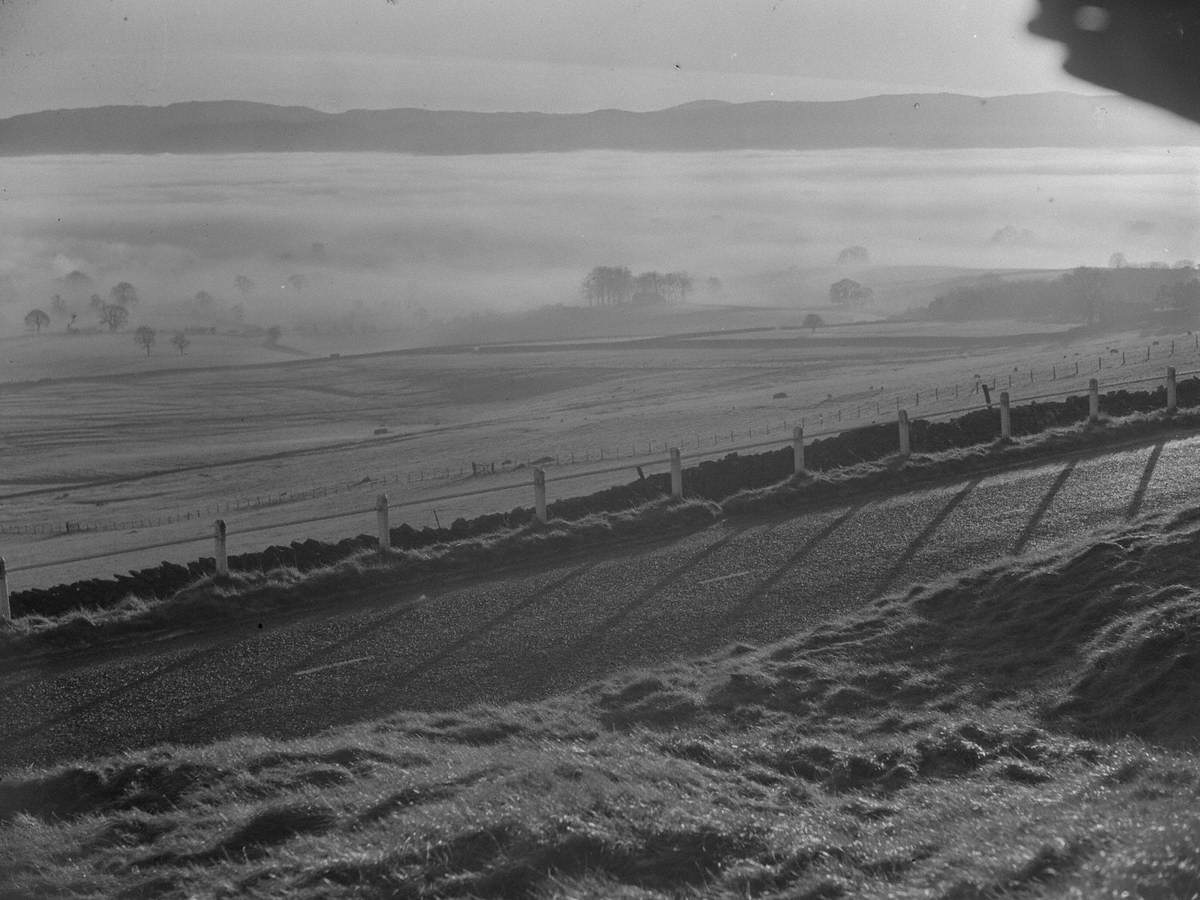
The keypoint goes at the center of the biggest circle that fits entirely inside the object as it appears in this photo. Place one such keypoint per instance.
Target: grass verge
(1026, 729)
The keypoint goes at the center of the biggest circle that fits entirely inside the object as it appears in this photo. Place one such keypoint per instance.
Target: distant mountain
(912, 120)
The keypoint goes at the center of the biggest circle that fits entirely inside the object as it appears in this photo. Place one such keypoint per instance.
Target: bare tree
(113, 317)
(854, 256)
(608, 285)
(243, 284)
(274, 333)
(180, 341)
(35, 319)
(813, 322)
(76, 282)
(678, 284)
(145, 336)
(650, 287)
(1087, 285)
(849, 291)
(123, 294)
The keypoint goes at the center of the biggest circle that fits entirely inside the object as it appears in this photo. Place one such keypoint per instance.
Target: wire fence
(699, 453)
(817, 421)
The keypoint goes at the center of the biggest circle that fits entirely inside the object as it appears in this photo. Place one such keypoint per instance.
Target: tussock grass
(1020, 730)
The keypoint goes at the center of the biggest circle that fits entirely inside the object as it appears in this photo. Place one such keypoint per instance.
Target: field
(146, 451)
(1026, 729)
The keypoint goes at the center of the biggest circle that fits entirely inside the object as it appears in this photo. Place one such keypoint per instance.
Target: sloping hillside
(988, 736)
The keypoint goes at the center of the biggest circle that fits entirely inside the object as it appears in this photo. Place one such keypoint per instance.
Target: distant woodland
(617, 285)
(1123, 295)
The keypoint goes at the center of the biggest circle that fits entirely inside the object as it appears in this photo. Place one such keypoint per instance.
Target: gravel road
(530, 635)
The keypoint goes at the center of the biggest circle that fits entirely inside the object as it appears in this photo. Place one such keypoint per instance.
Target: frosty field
(138, 458)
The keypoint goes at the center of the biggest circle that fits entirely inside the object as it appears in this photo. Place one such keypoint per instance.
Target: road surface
(533, 634)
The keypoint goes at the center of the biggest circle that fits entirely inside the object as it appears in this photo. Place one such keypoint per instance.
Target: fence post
(905, 441)
(219, 547)
(1093, 401)
(676, 473)
(1172, 390)
(798, 449)
(539, 494)
(1005, 417)
(381, 520)
(5, 606)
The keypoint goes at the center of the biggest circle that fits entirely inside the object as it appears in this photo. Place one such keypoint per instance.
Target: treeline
(1091, 296)
(616, 285)
(77, 298)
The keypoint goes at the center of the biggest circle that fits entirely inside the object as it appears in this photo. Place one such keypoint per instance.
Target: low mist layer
(394, 240)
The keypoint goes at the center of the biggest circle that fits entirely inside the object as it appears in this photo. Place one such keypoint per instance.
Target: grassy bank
(1023, 730)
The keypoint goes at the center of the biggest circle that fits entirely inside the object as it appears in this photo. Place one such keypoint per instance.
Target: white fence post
(5, 606)
(1005, 417)
(539, 494)
(1172, 390)
(676, 473)
(219, 547)
(1093, 401)
(798, 449)
(381, 520)
(905, 438)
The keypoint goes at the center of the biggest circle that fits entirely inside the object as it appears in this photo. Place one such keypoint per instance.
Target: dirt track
(535, 634)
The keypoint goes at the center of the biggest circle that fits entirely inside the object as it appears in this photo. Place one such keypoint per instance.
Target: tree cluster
(854, 256)
(617, 285)
(37, 320)
(849, 291)
(1119, 261)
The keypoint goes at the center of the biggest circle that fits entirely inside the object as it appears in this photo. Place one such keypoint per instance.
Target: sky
(548, 55)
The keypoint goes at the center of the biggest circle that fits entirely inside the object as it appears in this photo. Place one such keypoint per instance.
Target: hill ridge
(942, 120)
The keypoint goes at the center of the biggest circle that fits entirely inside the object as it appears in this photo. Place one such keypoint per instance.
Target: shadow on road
(373, 627)
(1139, 496)
(647, 594)
(541, 666)
(1038, 514)
(741, 609)
(93, 703)
(919, 542)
